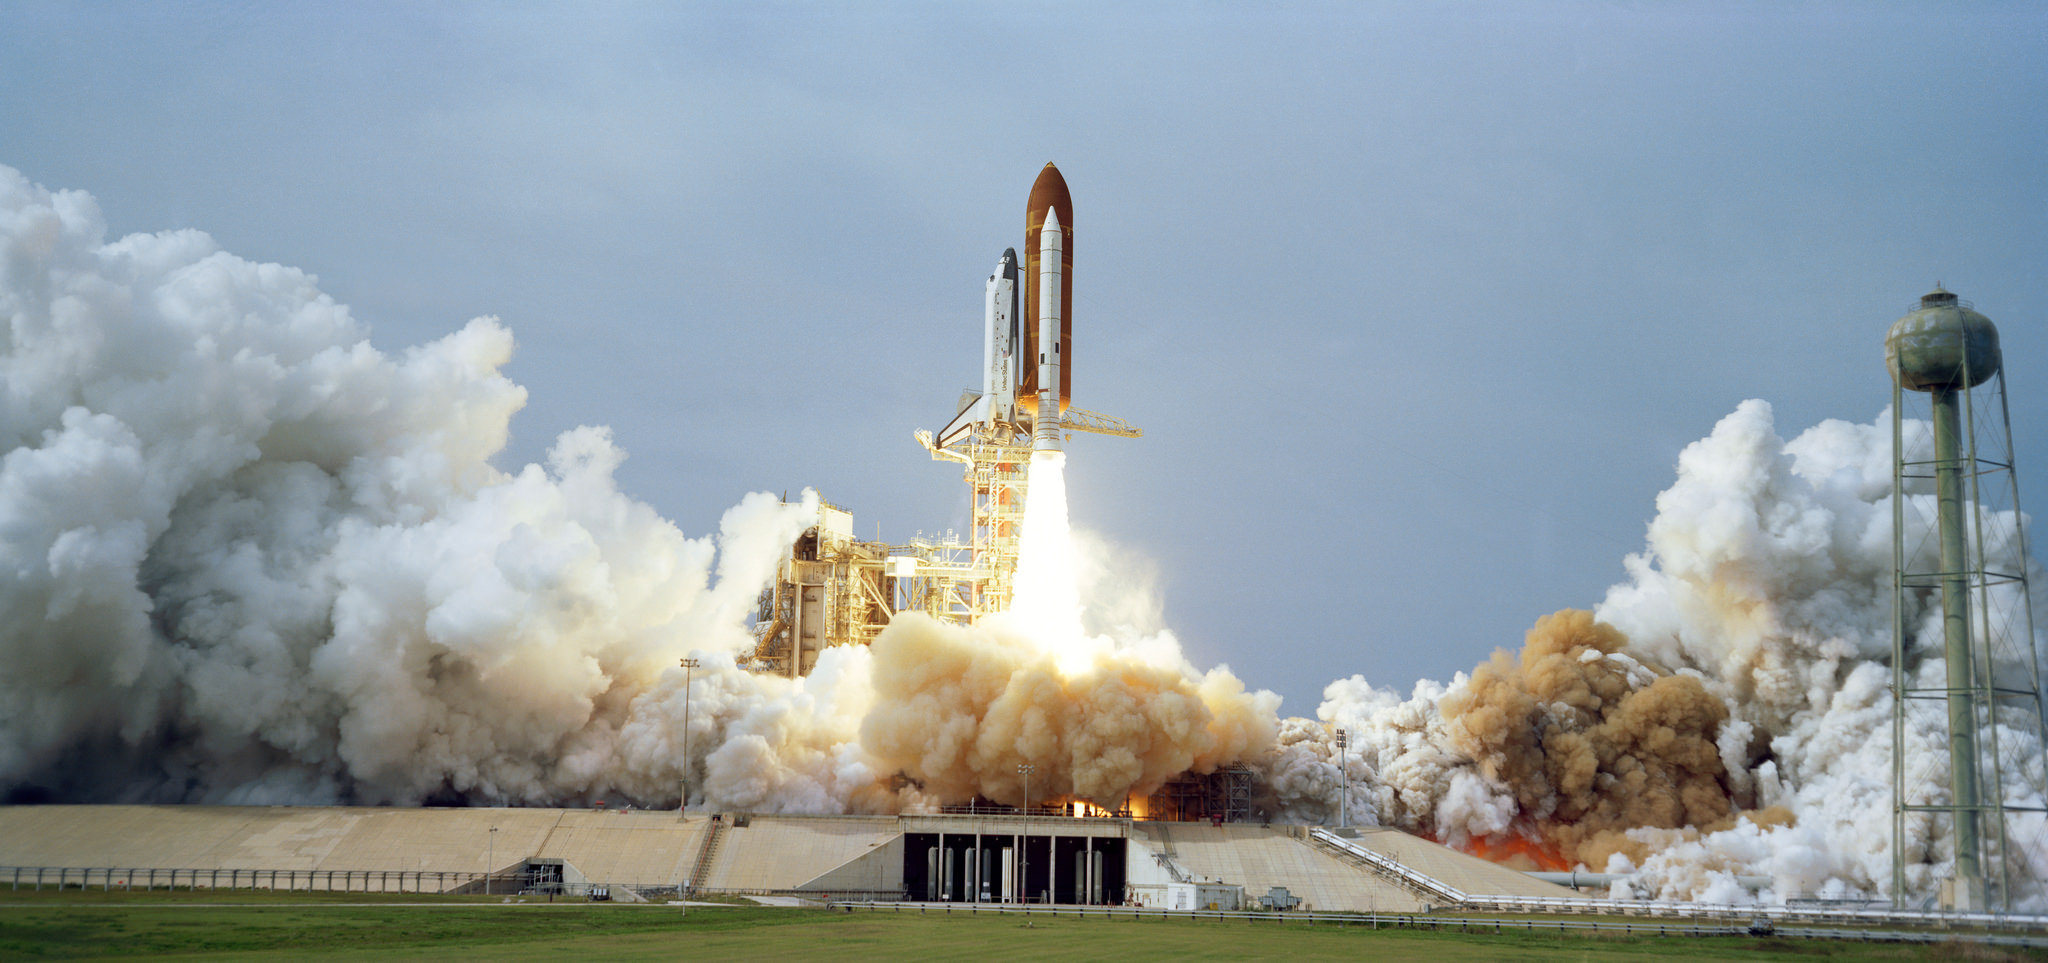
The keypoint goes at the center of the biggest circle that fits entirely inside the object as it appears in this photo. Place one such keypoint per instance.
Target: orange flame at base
(1515, 852)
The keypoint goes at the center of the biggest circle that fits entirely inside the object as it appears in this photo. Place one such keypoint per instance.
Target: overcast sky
(1416, 303)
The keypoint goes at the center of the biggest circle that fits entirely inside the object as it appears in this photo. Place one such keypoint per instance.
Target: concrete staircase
(1166, 854)
(705, 854)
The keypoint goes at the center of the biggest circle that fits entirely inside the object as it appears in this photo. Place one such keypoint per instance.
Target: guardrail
(311, 880)
(504, 882)
(1454, 898)
(1468, 924)
(1735, 915)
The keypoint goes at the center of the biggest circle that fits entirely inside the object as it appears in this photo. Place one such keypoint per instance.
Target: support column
(1052, 870)
(1955, 631)
(1088, 874)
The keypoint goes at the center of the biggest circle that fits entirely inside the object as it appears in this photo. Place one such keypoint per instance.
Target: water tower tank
(1942, 345)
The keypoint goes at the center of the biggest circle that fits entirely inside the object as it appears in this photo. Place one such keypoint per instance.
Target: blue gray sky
(1416, 303)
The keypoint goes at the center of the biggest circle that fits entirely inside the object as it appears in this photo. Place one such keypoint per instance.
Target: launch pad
(972, 859)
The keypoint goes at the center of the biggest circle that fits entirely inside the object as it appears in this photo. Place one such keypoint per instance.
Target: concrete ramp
(630, 847)
(603, 845)
(429, 840)
(772, 853)
(1261, 857)
(877, 873)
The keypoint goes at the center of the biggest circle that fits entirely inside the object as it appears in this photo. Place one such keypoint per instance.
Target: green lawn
(261, 926)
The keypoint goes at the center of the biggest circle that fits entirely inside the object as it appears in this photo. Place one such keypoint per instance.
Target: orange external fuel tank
(1049, 192)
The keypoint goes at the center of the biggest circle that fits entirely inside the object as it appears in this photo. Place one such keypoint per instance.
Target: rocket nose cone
(1049, 192)
(1049, 179)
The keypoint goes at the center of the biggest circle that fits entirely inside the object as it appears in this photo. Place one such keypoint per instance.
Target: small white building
(1204, 896)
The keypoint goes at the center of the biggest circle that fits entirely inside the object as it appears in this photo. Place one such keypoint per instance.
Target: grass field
(344, 926)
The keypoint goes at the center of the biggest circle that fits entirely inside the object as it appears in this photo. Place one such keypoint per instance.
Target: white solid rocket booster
(1045, 429)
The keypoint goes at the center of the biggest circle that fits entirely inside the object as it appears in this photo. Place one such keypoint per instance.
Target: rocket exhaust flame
(1047, 607)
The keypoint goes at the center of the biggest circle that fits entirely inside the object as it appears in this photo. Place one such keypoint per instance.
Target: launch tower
(1972, 580)
(835, 589)
(1025, 401)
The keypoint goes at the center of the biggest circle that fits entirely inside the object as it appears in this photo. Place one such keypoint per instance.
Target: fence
(1453, 898)
(507, 882)
(1728, 916)
(310, 880)
(1465, 924)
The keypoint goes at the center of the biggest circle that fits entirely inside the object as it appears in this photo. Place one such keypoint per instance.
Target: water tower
(1959, 559)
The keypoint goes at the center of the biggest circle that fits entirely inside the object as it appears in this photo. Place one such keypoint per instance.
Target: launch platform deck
(734, 852)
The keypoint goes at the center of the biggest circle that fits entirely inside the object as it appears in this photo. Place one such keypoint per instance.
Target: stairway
(705, 852)
(1165, 856)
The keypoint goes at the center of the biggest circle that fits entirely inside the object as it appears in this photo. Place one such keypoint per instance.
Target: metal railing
(1665, 912)
(502, 883)
(147, 878)
(1467, 924)
(1454, 898)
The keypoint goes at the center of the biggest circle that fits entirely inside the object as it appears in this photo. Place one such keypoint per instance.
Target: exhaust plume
(1593, 742)
(958, 709)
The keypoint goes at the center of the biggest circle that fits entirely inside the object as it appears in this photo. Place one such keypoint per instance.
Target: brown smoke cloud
(958, 709)
(1591, 741)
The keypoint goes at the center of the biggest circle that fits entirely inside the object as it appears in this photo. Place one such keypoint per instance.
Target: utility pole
(1343, 801)
(689, 671)
(1024, 851)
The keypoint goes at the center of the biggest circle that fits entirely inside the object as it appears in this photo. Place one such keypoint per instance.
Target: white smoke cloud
(1767, 578)
(255, 559)
(258, 560)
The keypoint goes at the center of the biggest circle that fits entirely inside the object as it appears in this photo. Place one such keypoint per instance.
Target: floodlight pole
(1024, 851)
(490, 860)
(689, 670)
(1343, 801)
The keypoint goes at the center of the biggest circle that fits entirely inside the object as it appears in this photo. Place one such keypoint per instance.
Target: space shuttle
(1027, 373)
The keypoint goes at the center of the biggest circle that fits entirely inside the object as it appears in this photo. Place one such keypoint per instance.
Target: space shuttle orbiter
(1028, 331)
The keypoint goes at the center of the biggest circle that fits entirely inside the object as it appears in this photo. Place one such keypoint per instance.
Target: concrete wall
(639, 847)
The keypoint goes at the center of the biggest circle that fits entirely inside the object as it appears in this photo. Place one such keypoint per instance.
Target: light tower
(1343, 770)
(1975, 582)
